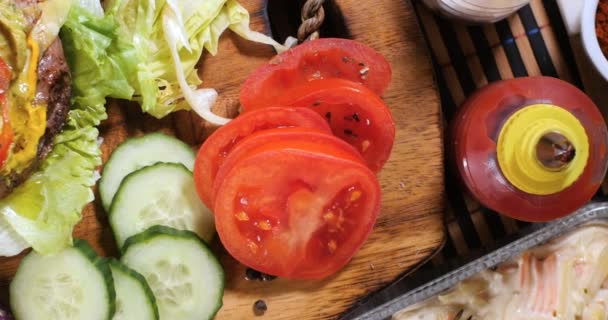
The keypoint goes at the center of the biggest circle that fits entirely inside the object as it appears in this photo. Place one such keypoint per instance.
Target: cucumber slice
(187, 280)
(134, 298)
(160, 194)
(137, 153)
(72, 284)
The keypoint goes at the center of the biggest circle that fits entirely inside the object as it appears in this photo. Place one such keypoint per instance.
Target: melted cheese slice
(27, 119)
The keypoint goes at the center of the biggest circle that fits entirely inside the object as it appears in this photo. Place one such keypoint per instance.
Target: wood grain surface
(410, 227)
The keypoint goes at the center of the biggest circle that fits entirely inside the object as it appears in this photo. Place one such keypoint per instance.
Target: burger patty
(54, 91)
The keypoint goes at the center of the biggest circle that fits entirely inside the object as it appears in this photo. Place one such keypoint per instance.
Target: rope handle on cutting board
(313, 16)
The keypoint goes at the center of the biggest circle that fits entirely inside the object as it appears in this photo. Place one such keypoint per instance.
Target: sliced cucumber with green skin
(186, 278)
(134, 298)
(72, 284)
(160, 194)
(136, 153)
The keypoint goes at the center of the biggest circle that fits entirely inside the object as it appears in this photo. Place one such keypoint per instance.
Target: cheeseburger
(34, 89)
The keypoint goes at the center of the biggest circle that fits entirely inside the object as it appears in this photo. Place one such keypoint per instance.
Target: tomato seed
(252, 246)
(340, 221)
(356, 117)
(264, 225)
(329, 216)
(332, 246)
(316, 103)
(355, 195)
(242, 216)
(364, 145)
(328, 116)
(334, 221)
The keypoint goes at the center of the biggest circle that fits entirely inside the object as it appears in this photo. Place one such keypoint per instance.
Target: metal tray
(532, 236)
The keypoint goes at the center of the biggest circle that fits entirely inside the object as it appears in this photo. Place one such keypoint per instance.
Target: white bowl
(589, 38)
(477, 11)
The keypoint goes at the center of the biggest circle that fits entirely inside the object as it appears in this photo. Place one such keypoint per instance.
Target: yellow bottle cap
(518, 143)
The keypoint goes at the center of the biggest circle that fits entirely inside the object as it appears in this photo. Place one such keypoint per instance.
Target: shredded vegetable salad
(564, 279)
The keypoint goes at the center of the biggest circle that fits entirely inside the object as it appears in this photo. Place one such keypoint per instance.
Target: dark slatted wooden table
(534, 41)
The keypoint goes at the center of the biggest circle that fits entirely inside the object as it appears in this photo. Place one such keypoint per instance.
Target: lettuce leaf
(44, 210)
(170, 36)
(144, 51)
(158, 75)
(12, 242)
(92, 6)
(238, 17)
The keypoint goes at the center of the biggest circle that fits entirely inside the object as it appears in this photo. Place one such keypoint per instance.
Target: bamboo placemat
(466, 57)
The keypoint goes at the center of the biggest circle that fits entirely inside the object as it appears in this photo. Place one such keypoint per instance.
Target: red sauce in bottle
(474, 145)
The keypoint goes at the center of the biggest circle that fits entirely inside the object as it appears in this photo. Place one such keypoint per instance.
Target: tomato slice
(5, 76)
(286, 138)
(354, 113)
(313, 60)
(215, 149)
(6, 130)
(294, 213)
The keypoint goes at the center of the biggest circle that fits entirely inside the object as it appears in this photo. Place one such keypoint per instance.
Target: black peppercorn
(260, 307)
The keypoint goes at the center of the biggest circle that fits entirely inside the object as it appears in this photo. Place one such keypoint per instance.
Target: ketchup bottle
(530, 148)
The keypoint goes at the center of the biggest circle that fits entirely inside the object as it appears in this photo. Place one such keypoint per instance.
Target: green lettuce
(238, 17)
(170, 36)
(144, 51)
(44, 210)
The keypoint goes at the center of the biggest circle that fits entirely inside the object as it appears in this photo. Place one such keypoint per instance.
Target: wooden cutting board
(410, 227)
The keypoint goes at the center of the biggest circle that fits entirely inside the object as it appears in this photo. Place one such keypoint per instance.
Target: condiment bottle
(531, 148)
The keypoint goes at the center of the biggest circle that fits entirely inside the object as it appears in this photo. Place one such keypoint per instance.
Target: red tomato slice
(294, 213)
(5, 76)
(313, 60)
(354, 113)
(215, 149)
(6, 133)
(286, 138)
